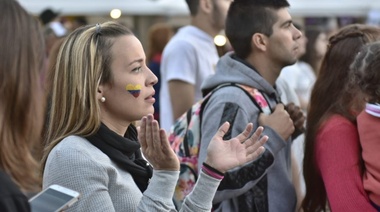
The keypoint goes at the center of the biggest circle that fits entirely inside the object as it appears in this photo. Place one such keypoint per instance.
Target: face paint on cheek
(133, 89)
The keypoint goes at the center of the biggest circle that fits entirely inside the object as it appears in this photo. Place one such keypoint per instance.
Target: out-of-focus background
(139, 15)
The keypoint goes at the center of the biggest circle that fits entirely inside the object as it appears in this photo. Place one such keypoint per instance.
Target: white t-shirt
(190, 56)
(300, 77)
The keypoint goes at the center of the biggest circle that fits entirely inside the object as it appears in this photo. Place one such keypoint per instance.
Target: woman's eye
(138, 69)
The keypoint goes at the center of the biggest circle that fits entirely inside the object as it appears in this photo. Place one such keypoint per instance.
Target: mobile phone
(55, 198)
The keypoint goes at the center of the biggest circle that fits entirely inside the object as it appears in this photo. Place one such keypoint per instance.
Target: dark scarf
(125, 152)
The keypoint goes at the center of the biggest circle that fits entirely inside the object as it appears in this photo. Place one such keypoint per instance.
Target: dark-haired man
(189, 58)
(264, 40)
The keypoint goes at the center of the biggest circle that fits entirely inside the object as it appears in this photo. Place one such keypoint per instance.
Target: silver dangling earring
(103, 99)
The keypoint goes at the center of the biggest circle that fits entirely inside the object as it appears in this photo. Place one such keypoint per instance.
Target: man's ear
(205, 6)
(259, 41)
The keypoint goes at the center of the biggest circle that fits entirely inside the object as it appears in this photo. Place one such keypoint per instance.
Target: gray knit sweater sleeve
(77, 164)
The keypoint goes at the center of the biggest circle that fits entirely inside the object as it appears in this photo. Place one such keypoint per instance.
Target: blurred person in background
(189, 58)
(52, 27)
(316, 47)
(22, 78)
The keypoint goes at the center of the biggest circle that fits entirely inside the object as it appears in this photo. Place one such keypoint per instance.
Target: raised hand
(155, 145)
(279, 121)
(225, 155)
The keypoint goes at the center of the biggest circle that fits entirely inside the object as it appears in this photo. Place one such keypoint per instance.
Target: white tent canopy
(316, 8)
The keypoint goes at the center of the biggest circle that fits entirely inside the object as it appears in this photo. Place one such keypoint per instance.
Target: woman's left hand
(155, 145)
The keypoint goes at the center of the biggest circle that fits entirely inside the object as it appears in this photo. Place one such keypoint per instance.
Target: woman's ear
(100, 92)
(259, 41)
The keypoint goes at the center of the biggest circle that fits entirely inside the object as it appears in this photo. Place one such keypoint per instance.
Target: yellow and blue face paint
(133, 89)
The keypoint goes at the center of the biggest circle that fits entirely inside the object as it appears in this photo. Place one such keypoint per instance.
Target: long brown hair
(330, 97)
(21, 93)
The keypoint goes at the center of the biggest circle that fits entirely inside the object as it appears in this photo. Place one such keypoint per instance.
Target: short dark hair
(193, 6)
(247, 17)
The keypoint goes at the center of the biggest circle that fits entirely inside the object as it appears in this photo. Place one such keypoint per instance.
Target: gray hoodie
(261, 185)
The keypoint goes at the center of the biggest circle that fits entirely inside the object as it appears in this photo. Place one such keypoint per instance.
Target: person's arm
(338, 159)
(221, 156)
(220, 109)
(158, 195)
(74, 169)
(181, 96)
(179, 70)
(368, 127)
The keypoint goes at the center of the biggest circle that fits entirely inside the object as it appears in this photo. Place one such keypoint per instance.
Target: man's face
(283, 46)
(219, 13)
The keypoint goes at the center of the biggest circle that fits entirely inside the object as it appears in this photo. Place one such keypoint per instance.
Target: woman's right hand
(225, 155)
(155, 145)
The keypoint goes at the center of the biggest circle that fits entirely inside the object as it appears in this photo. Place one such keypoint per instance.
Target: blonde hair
(22, 94)
(83, 63)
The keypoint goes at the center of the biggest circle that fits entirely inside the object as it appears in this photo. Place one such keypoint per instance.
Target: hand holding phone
(55, 198)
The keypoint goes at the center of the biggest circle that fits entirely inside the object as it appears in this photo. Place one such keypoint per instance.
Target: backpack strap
(244, 88)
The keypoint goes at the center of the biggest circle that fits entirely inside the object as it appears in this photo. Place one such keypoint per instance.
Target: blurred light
(220, 40)
(115, 13)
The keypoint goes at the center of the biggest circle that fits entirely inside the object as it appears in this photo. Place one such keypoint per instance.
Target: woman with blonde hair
(21, 106)
(101, 86)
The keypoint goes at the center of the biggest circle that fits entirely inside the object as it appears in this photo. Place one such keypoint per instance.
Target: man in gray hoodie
(264, 40)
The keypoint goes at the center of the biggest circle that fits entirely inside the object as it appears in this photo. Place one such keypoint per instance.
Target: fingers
(223, 130)
(279, 107)
(256, 135)
(142, 133)
(254, 143)
(290, 106)
(164, 140)
(255, 149)
(155, 131)
(244, 135)
(256, 154)
(149, 133)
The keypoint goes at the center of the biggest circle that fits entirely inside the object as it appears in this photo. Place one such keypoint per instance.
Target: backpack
(185, 137)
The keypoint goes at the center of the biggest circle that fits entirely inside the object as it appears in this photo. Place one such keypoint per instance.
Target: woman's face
(129, 95)
(321, 44)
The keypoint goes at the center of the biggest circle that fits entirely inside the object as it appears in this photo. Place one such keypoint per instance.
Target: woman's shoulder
(337, 126)
(73, 142)
(338, 120)
(76, 147)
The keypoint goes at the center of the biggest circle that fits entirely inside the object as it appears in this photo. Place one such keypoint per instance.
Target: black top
(11, 198)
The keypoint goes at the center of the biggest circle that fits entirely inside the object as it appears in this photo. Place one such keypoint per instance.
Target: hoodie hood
(231, 70)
